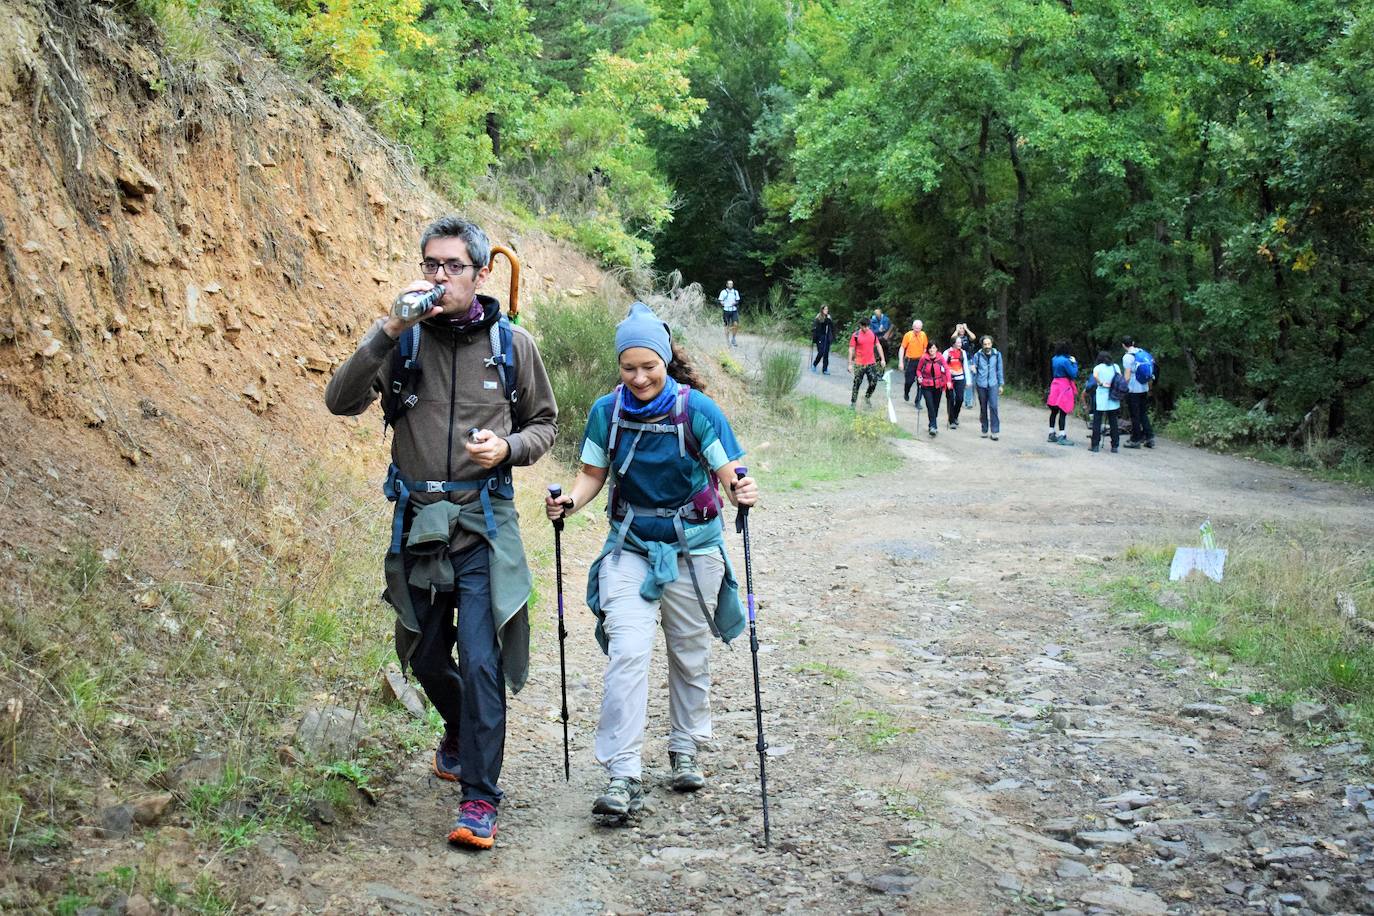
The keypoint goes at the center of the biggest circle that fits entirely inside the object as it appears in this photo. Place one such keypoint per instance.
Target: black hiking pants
(909, 380)
(469, 695)
(955, 396)
(1111, 427)
(822, 356)
(1141, 430)
(932, 398)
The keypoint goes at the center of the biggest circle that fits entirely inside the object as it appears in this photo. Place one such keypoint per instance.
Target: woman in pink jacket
(1063, 391)
(932, 374)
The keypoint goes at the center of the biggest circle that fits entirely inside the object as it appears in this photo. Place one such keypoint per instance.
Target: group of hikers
(467, 397)
(1109, 385)
(971, 366)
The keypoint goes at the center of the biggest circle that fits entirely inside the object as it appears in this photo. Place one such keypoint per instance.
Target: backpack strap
(502, 338)
(405, 368)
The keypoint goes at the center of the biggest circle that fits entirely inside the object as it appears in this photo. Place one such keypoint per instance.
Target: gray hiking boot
(687, 775)
(624, 796)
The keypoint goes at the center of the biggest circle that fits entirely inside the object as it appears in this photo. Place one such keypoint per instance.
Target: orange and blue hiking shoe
(476, 825)
(446, 758)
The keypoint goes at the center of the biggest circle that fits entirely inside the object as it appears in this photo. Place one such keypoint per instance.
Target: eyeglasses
(453, 268)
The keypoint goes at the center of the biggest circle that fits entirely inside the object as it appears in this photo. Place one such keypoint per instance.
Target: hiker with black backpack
(822, 335)
(666, 449)
(1140, 369)
(1108, 385)
(466, 395)
(865, 356)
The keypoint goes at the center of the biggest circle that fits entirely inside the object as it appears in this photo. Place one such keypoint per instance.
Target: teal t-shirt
(658, 476)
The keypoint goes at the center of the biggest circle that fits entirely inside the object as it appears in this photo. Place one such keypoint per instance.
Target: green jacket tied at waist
(663, 569)
(432, 530)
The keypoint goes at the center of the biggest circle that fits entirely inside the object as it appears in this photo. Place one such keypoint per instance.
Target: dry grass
(1284, 606)
(207, 630)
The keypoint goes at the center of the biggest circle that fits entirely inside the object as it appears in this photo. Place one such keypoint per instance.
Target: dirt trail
(947, 713)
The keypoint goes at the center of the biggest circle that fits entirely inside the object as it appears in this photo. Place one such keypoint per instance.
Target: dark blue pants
(822, 356)
(1141, 430)
(955, 396)
(469, 695)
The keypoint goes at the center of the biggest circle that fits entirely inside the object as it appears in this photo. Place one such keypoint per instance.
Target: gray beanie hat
(642, 328)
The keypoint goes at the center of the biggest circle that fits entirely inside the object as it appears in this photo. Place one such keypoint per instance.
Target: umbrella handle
(514, 301)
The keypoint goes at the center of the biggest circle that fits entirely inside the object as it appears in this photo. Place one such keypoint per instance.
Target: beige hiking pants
(630, 624)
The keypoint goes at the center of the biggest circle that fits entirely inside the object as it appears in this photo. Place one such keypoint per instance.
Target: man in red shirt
(863, 363)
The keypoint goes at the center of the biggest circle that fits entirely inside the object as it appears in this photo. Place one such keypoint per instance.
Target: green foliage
(576, 341)
(1217, 423)
(1193, 174)
(797, 445)
(470, 89)
(779, 375)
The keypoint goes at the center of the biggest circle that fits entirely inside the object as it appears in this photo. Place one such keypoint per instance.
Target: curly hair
(682, 370)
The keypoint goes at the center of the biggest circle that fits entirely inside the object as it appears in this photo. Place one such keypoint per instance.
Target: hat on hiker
(642, 328)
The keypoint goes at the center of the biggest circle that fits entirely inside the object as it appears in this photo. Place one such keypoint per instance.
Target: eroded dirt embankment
(187, 252)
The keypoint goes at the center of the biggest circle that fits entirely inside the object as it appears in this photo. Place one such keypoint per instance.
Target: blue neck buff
(633, 407)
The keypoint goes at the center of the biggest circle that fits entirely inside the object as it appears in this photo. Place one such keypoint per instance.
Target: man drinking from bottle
(467, 397)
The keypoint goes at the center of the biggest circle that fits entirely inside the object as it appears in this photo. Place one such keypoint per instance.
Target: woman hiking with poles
(932, 374)
(666, 449)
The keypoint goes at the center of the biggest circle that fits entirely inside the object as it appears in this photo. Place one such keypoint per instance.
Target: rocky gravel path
(956, 724)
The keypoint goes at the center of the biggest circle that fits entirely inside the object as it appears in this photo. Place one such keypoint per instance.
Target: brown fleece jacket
(456, 390)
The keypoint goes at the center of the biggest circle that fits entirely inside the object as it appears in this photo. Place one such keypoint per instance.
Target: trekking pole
(557, 492)
(742, 526)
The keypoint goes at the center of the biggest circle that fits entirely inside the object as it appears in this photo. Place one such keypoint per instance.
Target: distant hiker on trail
(1105, 402)
(865, 355)
(1063, 391)
(455, 539)
(881, 325)
(729, 312)
(666, 449)
(965, 340)
(988, 378)
(955, 359)
(932, 372)
(1138, 381)
(822, 335)
(914, 343)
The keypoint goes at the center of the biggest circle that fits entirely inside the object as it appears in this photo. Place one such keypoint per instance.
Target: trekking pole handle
(741, 472)
(556, 494)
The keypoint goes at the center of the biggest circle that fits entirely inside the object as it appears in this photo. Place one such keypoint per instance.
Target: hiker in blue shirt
(881, 326)
(1142, 433)
(988, 379)
(666, 449)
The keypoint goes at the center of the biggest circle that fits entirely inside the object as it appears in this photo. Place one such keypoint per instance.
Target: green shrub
(779, 376)
(1217, 423)
(577, 342)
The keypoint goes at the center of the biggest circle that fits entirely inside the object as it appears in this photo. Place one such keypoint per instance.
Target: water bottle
(409, 306)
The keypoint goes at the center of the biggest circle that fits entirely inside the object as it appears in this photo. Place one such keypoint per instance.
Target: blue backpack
(1145, 370)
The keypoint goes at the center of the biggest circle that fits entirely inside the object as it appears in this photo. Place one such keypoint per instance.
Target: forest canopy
(1197, 174)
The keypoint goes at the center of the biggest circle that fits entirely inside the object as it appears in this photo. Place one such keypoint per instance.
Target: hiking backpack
(406, 368)
(703, 505)
(1145, 370)
(679, 423)
(1119, 386)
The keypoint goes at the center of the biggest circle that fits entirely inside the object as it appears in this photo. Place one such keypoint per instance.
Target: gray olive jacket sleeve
(536, 408)
(357, 381)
